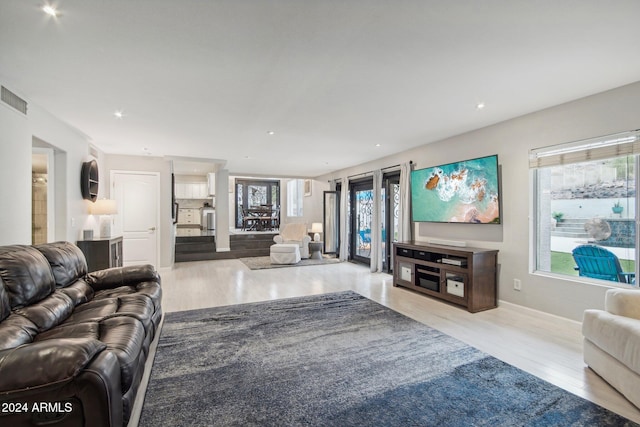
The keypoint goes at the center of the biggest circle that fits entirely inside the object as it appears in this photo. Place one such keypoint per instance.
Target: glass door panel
(361, 214)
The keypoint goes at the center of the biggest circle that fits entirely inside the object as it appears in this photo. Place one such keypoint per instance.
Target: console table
(102, 253)
(461, 275)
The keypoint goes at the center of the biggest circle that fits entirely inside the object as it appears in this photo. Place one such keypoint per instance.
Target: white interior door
(137, 195)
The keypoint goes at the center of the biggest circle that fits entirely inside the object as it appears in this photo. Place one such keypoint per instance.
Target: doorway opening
(42, 196)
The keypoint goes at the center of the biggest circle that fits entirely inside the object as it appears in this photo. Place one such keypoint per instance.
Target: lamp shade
(316, 228)
(104, 207)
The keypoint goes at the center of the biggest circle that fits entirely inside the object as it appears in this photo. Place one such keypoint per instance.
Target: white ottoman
(285, 253)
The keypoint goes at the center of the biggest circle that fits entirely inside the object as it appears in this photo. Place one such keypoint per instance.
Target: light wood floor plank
(541, 344)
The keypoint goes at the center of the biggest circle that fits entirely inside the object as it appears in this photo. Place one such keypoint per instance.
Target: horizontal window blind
(604, 147)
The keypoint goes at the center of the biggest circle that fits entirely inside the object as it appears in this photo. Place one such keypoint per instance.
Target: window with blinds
(585, 208)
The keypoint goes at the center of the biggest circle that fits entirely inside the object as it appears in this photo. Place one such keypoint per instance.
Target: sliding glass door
(361, 193)
(390, 215)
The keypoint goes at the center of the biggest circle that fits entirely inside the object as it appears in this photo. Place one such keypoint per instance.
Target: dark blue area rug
(340, 360)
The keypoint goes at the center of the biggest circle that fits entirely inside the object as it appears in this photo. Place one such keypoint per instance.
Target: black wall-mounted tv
(466, 192)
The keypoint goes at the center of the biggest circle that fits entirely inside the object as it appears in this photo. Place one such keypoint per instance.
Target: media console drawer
(455, 286)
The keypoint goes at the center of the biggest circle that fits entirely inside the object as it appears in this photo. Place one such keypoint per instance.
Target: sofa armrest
(278, 239)
(305, 240)
(122, 276)
(623, 302)
(95, 394)
(45, 362)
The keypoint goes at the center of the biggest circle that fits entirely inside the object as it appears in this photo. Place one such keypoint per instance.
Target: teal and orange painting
(464, 191)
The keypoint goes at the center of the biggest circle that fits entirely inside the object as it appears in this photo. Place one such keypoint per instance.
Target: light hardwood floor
(543, 345)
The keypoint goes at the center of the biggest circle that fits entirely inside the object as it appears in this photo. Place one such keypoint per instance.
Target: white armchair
(612, 341)
(295, 234)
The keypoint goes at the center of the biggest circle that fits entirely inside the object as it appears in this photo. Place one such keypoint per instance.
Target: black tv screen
(466, 192)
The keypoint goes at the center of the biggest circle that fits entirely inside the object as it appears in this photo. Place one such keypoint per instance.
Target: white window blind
(604, 147)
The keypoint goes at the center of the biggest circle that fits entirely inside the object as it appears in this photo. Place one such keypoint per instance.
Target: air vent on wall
(13, 100)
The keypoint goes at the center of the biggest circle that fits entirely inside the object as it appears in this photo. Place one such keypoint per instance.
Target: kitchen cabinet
(189, 216)
(192, 190)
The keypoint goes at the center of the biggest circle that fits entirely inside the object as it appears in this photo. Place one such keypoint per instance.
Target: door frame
(388, 179)
(112, 184)
(51, 190)
(254, 181)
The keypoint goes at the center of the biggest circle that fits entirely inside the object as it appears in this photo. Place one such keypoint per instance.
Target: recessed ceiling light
(119, 114)
(50, 10)
(378, 145)
(271, 132)
(480, 105)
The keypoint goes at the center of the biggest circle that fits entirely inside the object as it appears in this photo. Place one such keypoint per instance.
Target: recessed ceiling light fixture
(50, 10)
(271, 132)
(378, 145)
(119, 114)
(480, 105)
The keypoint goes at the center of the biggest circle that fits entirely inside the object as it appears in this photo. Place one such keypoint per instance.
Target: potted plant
(617, 208)
(557, 216)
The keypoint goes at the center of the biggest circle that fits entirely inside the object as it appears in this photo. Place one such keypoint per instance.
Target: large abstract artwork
(466, 191)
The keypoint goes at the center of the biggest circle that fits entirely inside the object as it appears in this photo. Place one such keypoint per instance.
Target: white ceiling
(331, 78)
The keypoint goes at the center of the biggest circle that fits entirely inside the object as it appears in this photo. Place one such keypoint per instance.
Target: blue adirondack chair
(599, 263)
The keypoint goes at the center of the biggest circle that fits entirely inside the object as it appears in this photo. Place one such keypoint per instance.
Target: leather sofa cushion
(137, 307)
(94, 311)
(89, 330)
(67, 261)
(123, 335)
(5, 308)
(79, 292)
(46, 362)
(49, 312)
(26, 275)
(151, 290)
(16, 330)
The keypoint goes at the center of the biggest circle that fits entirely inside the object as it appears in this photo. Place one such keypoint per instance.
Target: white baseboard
(223, 249)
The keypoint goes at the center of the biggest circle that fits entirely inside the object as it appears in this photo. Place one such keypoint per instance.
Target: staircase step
(200, 256)
(195, 247)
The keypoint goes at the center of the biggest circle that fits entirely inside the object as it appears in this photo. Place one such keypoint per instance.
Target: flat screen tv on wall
(466, 192)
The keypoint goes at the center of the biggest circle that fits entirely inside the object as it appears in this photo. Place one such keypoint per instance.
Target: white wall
(72, 148)
(609, 112)
(15, 177)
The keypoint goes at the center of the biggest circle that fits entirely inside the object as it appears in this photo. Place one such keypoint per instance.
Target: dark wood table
(260, 218)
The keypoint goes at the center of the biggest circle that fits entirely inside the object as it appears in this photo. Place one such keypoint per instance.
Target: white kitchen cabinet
(189, 216)
(192, 190)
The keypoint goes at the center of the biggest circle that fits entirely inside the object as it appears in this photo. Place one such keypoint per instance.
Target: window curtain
(376, 223)
(344, 220)
(405, 231)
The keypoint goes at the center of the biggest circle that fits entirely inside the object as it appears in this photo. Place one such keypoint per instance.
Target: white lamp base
(105, 226)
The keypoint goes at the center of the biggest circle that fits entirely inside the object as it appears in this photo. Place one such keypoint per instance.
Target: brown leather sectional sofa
(72, 345)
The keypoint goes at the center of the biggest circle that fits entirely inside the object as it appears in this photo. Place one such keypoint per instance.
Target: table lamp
(105, 208)
(316, 228)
